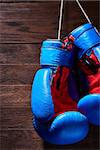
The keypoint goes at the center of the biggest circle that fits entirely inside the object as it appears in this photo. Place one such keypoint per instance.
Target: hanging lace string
(60, 19)
(61, 13)
(83, 11)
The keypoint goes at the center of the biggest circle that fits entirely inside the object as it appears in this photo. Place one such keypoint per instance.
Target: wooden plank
(19, 53)
(17, 74)
(15, 96)
(20, 140)
(19, 121)
(16, 118)
(20, 1)
(25, 139)
(16, 128)
(28, 22)
(7, 1)
(34, 22)
(23, 22)
(73, 17)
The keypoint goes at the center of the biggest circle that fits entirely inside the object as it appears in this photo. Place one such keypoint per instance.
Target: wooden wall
(24, 24)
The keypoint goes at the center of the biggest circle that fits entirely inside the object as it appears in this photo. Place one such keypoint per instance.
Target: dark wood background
(24, 24)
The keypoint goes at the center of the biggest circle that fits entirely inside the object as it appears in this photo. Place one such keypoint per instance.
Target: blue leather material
(52, 43)
(81, 29)
(41, 103)
(86, 37)
(52, 54)
(97, 51)
(90, 107)
(67, 128)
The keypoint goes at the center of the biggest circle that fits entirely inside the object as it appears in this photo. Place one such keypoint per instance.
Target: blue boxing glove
(86, 38)
(56, 118)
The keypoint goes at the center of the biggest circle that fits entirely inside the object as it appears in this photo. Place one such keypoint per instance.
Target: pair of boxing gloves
(61, 114)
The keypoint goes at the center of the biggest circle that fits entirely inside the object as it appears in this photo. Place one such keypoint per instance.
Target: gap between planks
(21, 64)
(28, 1)
(15, 85)
(18, 129)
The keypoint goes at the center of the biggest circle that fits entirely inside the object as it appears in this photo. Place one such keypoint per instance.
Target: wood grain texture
(20, 140)
(22, 119)
(24, 24)
(7, 1)
(36, 21)
(15, 96)
(28, 22)
(17, 129)
(25, 140)
(17, 74)
(19, 53)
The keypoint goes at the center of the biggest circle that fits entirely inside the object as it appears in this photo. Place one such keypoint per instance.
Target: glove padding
(67, 128)
(87, 40)
(56, 118)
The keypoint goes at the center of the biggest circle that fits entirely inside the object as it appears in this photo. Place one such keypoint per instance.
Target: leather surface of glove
(57, 119)
(87, 39)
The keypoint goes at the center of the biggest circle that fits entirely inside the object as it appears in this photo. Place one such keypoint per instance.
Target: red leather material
(89, 64)
(94, 58)
(84, 67)
(59, 89)
(67, 44)
(92, 72)
(94, 83)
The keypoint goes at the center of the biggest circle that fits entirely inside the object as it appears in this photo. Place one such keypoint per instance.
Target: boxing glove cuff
(53, 54)
(85, 33)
